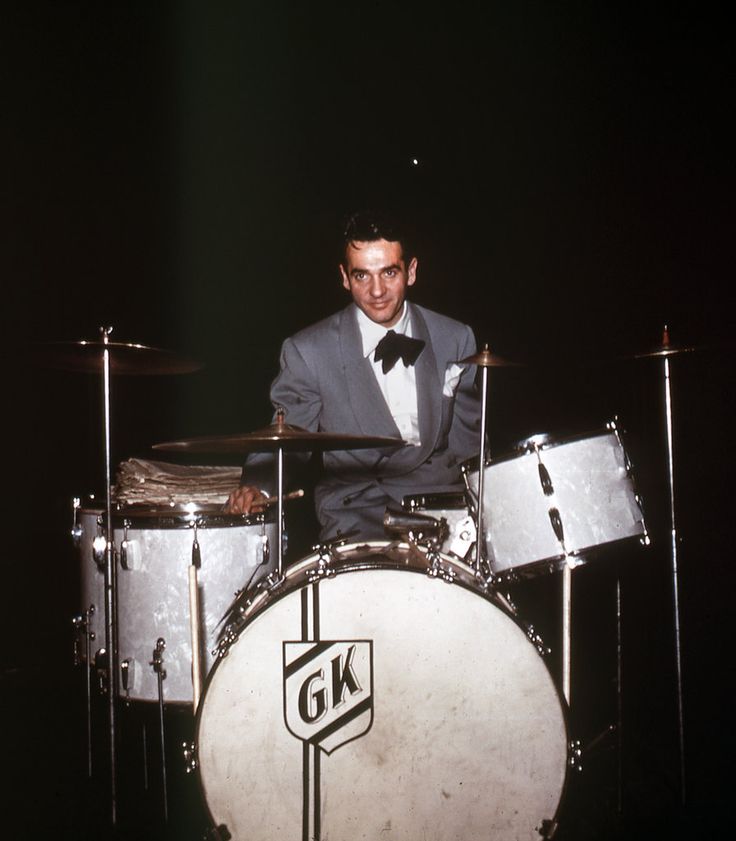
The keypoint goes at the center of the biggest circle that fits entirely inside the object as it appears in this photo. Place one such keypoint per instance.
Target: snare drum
(378, 692)
(154, 549)
(555, 500)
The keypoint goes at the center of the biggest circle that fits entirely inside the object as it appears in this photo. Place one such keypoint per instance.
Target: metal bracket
(575, 755)
(189, 752)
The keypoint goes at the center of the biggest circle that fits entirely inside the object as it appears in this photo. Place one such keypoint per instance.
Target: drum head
(381, 701)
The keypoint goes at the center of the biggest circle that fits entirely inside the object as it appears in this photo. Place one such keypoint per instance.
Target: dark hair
(372, 225)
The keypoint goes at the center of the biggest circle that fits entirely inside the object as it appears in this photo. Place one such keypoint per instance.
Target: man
(335, 377)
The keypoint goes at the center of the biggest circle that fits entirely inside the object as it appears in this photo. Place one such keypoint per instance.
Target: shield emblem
(328, 691)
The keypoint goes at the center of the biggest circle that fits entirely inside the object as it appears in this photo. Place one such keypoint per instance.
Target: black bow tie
(394, 345)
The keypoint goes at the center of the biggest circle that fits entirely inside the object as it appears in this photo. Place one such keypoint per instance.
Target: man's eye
(390, 273)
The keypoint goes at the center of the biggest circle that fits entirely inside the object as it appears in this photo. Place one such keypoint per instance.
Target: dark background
(180, 172)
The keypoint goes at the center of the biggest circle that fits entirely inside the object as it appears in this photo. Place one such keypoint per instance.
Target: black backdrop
(179, 173)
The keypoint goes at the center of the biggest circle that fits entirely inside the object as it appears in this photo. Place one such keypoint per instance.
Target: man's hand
(246, 499)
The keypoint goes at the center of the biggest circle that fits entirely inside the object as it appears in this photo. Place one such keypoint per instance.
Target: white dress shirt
(399, 385)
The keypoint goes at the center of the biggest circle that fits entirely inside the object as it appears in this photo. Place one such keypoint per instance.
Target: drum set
(376, 687)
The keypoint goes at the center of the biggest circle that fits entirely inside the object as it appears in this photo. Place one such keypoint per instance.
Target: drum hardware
(437, 570)
(76, 530)
(158, 667)
(536, 640)
(217, 833)
(82, 624)
(126, 668)
(327, 555)
(414, 527)
(575, 755)
(101, 670)
(547, 829)
(189, 752)
(454, 509)
(125, 547)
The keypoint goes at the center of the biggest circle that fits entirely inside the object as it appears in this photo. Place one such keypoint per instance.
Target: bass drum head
(381, 702)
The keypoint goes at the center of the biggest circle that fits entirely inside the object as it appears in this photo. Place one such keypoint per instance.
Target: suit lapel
(429, 388)
(364, 393)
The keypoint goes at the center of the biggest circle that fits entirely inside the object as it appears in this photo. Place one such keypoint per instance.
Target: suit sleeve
(296, 390)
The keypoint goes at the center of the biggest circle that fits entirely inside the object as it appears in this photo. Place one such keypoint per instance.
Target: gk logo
(314, 694)
(328, 691)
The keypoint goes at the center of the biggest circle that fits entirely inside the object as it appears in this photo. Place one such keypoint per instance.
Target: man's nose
(377, 287)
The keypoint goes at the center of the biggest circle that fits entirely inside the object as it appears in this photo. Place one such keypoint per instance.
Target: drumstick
(271, 500)
(194, 620)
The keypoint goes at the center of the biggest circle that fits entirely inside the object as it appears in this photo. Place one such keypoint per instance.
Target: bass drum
(378, 693)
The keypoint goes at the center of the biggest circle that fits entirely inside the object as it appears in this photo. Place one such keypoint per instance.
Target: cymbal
(279, 436)
(666, 348)
(486, 359)
(125, 358)
(662, 351)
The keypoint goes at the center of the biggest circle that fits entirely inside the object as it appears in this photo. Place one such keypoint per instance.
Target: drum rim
(348, 568)
(341, 565)
(551, 440)
(143, 517)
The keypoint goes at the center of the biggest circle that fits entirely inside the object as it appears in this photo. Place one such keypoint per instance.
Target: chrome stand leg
(675, 585)
(619, 706)
(88, 665)
(158, 667)
(566, 630)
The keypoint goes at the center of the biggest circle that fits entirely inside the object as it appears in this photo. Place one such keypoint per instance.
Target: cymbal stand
(280, 415)
(673, 550)
(480, 537)
(566, 629)
(280, 512)
(110, 580)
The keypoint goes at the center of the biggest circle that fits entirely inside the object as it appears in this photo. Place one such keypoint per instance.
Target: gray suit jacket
(326, 384)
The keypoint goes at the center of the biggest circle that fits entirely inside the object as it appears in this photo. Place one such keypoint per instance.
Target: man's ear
(411, 272)
(344, 276)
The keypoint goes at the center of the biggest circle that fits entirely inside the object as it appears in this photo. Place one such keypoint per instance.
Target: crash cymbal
(486, 359)
(125, 358)
(278, 436)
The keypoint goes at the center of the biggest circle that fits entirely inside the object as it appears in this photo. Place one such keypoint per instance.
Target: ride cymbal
(278, 436)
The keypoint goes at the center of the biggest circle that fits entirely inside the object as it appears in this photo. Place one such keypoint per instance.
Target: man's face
(376, 276)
